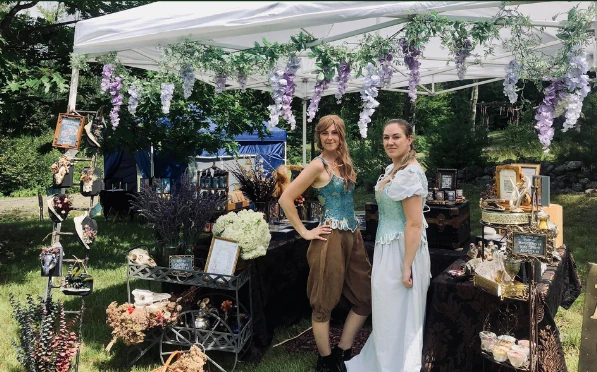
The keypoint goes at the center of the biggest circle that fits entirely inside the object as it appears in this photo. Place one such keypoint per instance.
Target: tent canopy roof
(277, 134)
(138, 34)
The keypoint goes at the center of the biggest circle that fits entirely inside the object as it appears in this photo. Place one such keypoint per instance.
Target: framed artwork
(439, 195)
(529, 170)
(446, 179)
(157, 185)
(450, 195)
(166, 185)
(459, 194)
(222, 257)
(528, 243)
(69, 130)
(430, 195)
(144, 183)
(506, 179)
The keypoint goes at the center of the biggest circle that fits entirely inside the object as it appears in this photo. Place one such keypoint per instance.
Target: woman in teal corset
(401, 264)
(337, 259)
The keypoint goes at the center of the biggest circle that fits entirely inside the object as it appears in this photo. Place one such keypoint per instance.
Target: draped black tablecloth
(457, 311)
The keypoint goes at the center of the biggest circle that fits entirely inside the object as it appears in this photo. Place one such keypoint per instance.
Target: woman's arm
(305, 179)
(413, 210)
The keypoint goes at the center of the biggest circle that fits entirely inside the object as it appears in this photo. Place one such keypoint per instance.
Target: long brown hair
(343, 159)
(408, 130)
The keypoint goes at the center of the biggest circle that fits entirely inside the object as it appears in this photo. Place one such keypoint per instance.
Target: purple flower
(242, 82)
(117, 100)
(368, 94)
(220, 83)
(133, 100)
(576, 81)
(385, 72)
(294, 63)
(510, 80)
(166, 96)
(107, 72)
(342, 78)
(461, 55)
(187, 73)
(320, 86)
(410, 59)
(276, 79)
(545, 113)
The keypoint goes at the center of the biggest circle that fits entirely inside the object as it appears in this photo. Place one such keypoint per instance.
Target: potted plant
(177, 218)
(78, 281)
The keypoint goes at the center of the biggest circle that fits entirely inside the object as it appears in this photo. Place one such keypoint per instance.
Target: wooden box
(449, 226)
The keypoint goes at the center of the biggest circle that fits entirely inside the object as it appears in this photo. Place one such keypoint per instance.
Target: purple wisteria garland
(546, 111)
(320, 86)
(294, 63)
(117, 100)
(510, 80)
(385, 72)
(220, 83)
(410, 59)
(342, 79)
(461, 55)
(107, 72)
(276, 79)
(187, 73)
(166, 96)
(133, 99)
(368, 94)
(577, 83)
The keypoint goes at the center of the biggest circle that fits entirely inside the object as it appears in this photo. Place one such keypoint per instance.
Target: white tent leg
(304, 133)
(74, 85)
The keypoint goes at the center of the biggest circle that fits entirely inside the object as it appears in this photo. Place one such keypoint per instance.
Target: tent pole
(74, 85)
(285, 153)
(304, 133)
(151, 173)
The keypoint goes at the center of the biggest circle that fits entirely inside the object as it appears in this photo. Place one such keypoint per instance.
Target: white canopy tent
(138, 34)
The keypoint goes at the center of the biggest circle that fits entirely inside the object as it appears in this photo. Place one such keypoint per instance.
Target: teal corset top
(392, 219)
(337, 203)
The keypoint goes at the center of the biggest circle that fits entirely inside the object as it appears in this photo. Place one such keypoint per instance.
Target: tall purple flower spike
(117, 100)
(166, 96)
(545, 113)
(107, 72)
(510, 80)
(410, 59)
(342, 79)
(577, 83)
(276, 79)
(320, 86)
(133, 99)
(385, 72)
(461, 55)
(220, 83)
(187, 73)
(294, 63)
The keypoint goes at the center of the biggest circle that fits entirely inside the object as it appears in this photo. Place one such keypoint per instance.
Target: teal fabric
(337, 203)
(406, 183)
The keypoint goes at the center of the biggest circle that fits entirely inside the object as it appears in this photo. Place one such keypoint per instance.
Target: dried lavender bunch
(162, 212)
(255, 181)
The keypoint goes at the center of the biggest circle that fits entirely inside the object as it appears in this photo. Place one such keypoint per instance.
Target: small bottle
(214, 179)
(222, 180)
(201, 179)
(208, 177)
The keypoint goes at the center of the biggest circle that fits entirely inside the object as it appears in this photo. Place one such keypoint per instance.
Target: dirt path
(28, 207)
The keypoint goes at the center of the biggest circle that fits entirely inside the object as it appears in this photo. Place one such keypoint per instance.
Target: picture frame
(529, 170)
(459, 194)
(543, 193)
(528, 243)
(439, 195)
(166, 185)
(222, 257)
(69, 131)
(446, 179)
(450, 195)
(144, 183)
(506, 179)
(181, 262)
(157, 185)
(429, 195)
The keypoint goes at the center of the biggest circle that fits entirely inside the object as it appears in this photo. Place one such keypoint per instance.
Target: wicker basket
(164, 368)
(517, 291)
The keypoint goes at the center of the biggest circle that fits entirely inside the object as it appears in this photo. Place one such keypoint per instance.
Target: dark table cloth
(457, 311)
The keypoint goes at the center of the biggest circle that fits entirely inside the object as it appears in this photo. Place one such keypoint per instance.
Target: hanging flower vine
(411, 53)
(577, 83)
(294, 63)
(342, 79)
(511, 79)
(368, 94)
(117, 100)
(166, 96)
(133, 99)
(546, 113)
(187, 73)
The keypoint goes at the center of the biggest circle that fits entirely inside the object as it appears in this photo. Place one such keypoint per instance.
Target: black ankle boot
(340, 354)
(326, 364)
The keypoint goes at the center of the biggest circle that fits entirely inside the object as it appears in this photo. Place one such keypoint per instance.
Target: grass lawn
(20, 275)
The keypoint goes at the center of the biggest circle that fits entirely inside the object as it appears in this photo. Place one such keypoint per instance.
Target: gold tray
(516, 291)
(501, 218)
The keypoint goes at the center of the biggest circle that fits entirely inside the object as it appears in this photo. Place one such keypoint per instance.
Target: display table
(455, 317)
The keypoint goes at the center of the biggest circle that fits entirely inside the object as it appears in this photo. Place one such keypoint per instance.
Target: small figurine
(472, 251)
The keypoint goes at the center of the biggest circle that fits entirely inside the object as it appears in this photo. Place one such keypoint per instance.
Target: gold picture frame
(222, 257)
(528, 243)
(69, 131)
(506, 179)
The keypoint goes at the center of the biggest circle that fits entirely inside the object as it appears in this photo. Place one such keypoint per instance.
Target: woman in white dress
(401, 265)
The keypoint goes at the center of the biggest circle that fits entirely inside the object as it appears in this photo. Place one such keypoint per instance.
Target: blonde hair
(343, 160)
(282, 180)
(408, 130)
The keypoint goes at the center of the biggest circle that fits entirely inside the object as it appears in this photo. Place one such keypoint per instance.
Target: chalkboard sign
(69, 130)
(184, 262)
(529, 244)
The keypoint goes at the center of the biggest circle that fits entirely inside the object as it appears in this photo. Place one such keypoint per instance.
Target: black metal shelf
(188, 277)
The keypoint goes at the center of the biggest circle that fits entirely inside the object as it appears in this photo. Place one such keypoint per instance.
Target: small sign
(69, 130)
(530, 244)
(222, 257)
(182, 262)
(588, 337)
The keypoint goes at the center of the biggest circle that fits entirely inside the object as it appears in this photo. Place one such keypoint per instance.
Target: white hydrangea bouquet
(248, 229)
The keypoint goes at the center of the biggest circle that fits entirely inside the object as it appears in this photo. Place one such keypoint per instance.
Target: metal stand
(183, 334)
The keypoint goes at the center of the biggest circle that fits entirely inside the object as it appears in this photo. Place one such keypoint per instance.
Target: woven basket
(164, 368)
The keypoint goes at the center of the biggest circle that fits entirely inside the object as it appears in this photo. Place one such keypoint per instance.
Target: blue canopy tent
(272, 148)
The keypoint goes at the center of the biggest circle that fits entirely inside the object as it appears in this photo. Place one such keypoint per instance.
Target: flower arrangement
(88, 176)
(45, 340)
(248, 228)
(89, 234)
(77, 281)
(60, 168)
(254, 181)
(60, 205)
(193, 361)
(130, 324)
